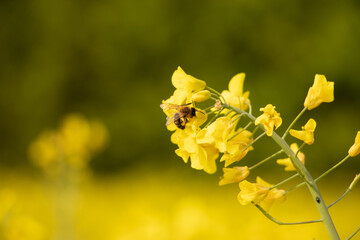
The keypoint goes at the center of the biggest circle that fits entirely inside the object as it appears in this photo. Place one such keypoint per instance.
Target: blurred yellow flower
(252, 192)
(201, 96)
(237, 147)
(269, 119)
(235, 95)
(273, 195)
(321, 91)
(73, 143)
(233, 175)
(307, 133)
(355, 148)
(287, 161)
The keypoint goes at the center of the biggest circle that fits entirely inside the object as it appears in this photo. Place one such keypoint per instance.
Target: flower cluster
(216, 132)
(70, 146)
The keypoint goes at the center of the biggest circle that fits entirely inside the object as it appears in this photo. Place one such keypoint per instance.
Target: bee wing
(170, 119)
(168, 106)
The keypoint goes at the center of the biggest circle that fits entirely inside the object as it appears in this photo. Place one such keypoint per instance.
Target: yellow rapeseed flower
(307, 132)
(217, 133)
(252, 192)
(237, 147)
(185, 86)
(202, 156)
(273, 195)
(287, 161)
(269, 119)
(321, 91)
(355, 148)
(235, 95)
(233, 175)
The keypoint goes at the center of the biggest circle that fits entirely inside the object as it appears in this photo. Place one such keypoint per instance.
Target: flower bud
(201, 96)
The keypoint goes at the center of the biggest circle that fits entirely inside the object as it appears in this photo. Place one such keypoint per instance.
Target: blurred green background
(113, 60)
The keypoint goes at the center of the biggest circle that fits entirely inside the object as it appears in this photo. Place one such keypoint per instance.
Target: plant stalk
(304, 173)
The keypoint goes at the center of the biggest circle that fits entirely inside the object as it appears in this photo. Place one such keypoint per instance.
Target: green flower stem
(293, 122)
(256, 139)
(246, 127)
(350, 237)
(217, 93)
(302, 145)
(255, 129)
(295, 187)
(342, 196)
(304, 173)
(266, 159)
(351, 186)
(266, 214)
(335, 166)
(284, 181)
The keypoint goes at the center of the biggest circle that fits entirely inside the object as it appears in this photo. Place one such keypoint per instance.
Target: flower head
(202, 156)
(269, 119)
(273, 195)
(233, 175)
(237, 147)
(252, 192)
(217, 133)
(235, 95)
(287, 161)
(185, 86)
(307, 133)
(321, 91)
(355, 148)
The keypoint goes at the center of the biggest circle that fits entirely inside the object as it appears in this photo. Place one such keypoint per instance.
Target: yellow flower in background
(287, 161)
(272, 196)
(355, 148)
(321, 91)
(269, 119)
(252, 192)
(307, 133)
(217, 133)
(74, 143)
(235, 96)
(201, 96)
(237, 147)
(233, 175)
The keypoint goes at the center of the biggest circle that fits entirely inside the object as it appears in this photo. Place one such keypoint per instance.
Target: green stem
(293, 122)
(266, 159)
(256, 139)
(335, 166)
(266, 214)
(350, 237)
(248, 125)
(304, 173)
(286, 180)
(342, 196)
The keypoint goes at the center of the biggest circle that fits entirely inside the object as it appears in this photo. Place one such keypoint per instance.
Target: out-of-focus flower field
(162, 205)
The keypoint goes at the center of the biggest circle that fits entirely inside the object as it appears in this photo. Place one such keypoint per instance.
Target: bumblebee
(182, 116)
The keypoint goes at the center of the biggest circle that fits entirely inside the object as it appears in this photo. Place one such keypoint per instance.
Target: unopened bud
(201, 96)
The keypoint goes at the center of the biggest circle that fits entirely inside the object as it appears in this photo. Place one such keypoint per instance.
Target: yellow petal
(233, 175)
(355, 148)
(236, 84)
(183, 81)
(251, 192)
(321, 91)
(201, 96)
